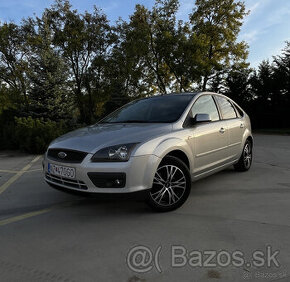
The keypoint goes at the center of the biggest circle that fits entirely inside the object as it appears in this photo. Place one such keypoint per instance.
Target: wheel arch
(250, 138)
(172, 147)
(247, 136)
(175, 147)
(180, 155)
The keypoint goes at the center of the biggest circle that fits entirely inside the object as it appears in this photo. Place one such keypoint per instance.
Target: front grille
(71, 156)
(78, 184)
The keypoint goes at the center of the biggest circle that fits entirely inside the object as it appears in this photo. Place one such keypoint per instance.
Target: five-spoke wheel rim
(169, 185)
(247, 155)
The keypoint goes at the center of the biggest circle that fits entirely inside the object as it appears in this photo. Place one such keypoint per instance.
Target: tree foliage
(72, 68)
(218, 24)
(13, 60)
(47, 74)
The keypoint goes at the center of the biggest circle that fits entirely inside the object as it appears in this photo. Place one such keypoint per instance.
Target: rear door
(235, 125)
(210, 138)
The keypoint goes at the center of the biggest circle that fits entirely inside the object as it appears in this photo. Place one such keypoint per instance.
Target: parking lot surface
(48, 235)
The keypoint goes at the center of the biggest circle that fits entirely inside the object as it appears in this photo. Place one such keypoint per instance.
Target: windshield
(162, 109)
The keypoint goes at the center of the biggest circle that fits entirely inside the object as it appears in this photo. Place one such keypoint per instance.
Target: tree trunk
(90, 106)
(205, 79)
(80, 104)
(161, 84)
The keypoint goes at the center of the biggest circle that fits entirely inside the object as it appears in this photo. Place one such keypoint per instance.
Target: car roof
(191, 94)
(179, 94)
(172, 94)
(184, 94)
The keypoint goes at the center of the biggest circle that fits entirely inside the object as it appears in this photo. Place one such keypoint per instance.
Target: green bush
(7, 140)
(34, 135)
(7, 129)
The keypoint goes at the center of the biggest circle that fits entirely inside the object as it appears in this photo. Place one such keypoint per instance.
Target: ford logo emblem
(62, 155)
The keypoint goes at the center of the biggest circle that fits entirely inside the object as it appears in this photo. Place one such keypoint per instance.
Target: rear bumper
(138, 172)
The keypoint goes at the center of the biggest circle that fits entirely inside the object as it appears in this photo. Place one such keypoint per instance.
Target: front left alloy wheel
(171, 185)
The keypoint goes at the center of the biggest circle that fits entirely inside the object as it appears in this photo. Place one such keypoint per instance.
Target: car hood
(90, 139)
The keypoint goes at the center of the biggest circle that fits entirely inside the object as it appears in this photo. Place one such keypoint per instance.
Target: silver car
(158, 145)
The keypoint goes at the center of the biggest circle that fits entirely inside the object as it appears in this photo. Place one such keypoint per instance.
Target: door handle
(222, 130)
(242, 125)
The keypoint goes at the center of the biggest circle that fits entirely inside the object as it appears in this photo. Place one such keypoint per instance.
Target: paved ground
(47, 235)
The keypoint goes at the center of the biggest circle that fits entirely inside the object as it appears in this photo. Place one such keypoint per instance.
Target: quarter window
(227, 109)
(205, 105)
(239, 111)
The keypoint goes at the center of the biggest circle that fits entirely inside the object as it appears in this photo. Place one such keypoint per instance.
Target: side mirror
(202, 118)
(199, 118)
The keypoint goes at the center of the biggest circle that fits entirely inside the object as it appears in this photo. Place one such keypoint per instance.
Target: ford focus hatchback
(158, 145)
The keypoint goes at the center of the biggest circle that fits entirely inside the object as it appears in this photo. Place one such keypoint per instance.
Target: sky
(265, 29)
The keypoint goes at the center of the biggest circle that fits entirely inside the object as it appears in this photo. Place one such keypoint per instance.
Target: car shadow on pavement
(135, 203)
(112, 203)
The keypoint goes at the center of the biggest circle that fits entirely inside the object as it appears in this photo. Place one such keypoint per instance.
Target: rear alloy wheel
(246, 158)
(171, 185)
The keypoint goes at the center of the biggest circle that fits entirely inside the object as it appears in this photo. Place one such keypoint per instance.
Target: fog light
(108, 179)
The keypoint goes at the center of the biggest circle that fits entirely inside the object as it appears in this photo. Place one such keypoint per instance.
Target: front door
(210, 139)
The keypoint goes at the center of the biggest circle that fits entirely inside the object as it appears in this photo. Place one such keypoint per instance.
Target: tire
(246, 158)
(171, 185)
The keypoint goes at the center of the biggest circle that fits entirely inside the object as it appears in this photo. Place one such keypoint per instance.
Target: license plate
(63, 171)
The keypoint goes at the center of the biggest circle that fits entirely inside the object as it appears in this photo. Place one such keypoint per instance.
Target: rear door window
(227, 109)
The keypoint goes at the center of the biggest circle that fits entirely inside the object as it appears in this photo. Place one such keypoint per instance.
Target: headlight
(117, 153)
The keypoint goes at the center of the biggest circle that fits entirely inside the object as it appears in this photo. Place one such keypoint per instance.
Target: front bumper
(139, 173)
